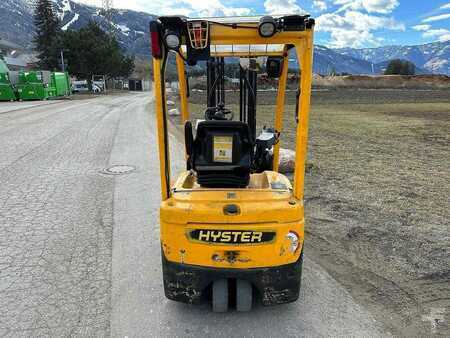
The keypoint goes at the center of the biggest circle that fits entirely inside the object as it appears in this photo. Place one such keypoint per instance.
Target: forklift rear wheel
(243, 295)
(220, 295)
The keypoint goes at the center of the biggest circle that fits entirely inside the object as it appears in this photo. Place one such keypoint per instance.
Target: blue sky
(340, 23)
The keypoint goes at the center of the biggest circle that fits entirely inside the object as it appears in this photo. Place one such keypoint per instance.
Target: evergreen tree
(408, 68)
(400, 67)
(91, 51)
(47, 37)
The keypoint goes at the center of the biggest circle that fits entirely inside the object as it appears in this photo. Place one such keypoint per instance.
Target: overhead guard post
(304, 51)
(280, 110)
(182, 89)
(161, 120)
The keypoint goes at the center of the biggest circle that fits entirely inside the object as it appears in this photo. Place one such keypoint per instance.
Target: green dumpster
(35, 85)
(6, 89)
(61, 82)
(42, 85)
(3, 66)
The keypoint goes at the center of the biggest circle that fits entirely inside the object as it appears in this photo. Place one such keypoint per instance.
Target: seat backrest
(222, 154)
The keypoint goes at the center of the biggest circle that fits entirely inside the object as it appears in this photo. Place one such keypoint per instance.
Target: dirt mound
(384, 81)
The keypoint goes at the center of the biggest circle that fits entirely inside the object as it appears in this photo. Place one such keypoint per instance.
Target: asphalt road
(79, 249)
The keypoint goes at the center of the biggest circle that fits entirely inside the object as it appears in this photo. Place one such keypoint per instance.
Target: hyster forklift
(232, 226)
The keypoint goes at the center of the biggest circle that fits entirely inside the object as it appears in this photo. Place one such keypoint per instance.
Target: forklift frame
(215, 237)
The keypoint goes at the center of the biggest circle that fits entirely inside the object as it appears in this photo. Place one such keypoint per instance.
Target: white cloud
(422, 27)
(215, 8)
(371, 6)
(282, 7)
(355, 29)
(182, 7)
(441, 34)
(437, 18)
(446, 6)
(320, 5)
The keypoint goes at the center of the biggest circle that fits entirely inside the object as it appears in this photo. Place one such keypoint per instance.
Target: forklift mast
(247, 100)
(215, 71)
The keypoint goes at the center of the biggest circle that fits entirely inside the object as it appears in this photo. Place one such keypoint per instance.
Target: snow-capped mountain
(328, 61)
(132, 31)
(433, 57)
(16, 22)
(131, 27)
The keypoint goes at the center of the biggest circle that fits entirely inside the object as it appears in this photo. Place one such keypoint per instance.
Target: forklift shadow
(183, 309)
(195, 321)
(324, 309)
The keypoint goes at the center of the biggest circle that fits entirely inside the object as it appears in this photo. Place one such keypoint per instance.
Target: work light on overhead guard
(172, 41)
(267, 26)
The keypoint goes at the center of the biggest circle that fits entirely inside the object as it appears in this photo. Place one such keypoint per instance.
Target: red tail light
(155, 39)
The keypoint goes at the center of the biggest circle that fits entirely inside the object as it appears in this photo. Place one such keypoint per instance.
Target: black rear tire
(243, 296)
(220, 295)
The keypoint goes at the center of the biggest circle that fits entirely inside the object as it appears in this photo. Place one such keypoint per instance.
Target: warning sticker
(223, 149)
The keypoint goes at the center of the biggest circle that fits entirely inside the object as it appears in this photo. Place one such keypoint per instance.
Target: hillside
(328, 61)
(131, 29)
(432, 57)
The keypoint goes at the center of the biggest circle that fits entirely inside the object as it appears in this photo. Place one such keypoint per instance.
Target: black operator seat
(221, 153)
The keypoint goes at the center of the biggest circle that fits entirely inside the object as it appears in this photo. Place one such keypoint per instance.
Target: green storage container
(7, 92)
(42, 85)
(3, 66)
(61, 83)
(35, 86)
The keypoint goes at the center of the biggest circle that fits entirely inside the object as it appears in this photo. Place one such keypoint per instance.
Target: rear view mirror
(274, 67)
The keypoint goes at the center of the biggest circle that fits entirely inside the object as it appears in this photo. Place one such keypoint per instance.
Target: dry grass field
(377, 197)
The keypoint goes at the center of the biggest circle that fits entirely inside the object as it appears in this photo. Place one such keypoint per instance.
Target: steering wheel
(219, 113)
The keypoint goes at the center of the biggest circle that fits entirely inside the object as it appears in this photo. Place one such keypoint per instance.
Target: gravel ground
(377, 198)
(378, 206)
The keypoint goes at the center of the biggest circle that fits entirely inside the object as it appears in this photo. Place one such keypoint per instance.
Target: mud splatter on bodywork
(188, 283)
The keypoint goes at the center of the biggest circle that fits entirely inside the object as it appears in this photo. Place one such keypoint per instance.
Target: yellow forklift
(232, 226)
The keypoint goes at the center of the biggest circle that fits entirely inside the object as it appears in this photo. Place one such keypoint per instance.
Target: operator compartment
(221, 153)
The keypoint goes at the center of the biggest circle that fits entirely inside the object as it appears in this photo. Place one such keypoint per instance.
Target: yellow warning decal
(223, 149)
